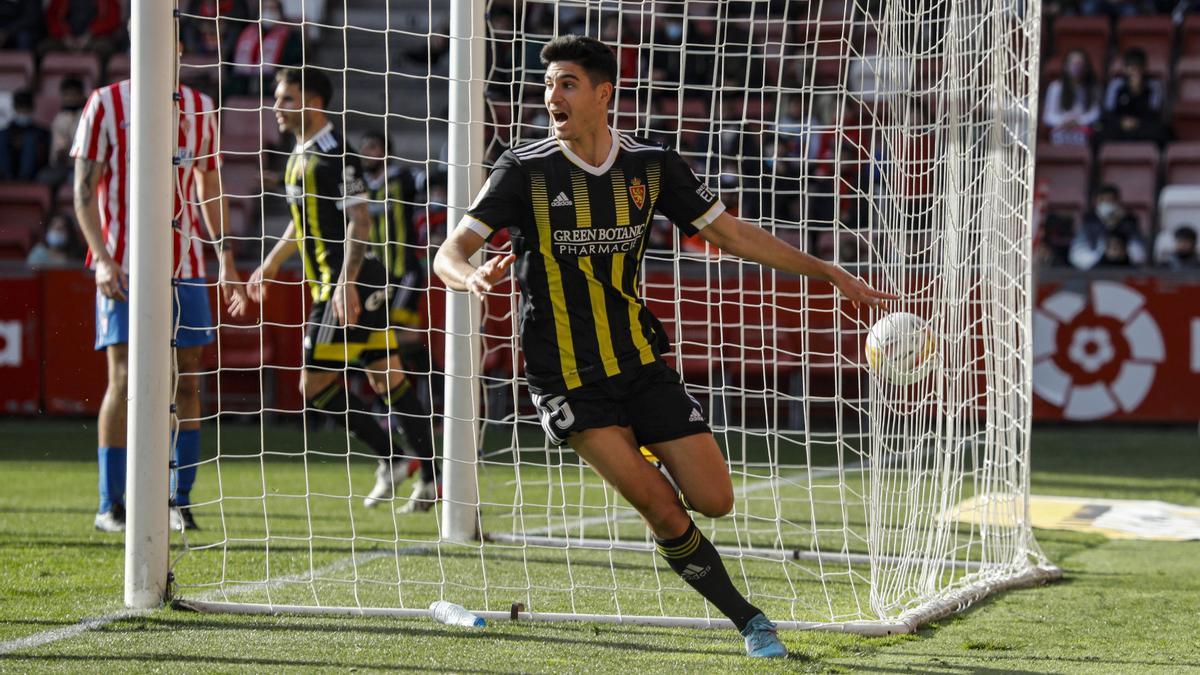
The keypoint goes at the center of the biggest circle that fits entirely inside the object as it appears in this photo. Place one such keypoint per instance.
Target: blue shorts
(190, 314)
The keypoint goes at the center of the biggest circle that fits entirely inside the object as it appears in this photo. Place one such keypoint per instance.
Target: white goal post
(896, 138)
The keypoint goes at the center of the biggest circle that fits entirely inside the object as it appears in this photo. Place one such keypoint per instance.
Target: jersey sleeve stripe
(709, 216)
(476, 225)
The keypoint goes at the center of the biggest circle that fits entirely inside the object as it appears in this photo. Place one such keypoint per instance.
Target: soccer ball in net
(901, 348)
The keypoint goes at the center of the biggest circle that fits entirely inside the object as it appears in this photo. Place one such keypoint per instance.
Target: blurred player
(394, 235)
(101, 153)
(579, 205)
(348, 324)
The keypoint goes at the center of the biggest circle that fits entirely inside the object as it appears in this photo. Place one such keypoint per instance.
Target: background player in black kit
(578, 206)
(348, 323)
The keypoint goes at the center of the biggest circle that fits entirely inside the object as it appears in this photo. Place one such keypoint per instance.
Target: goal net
(895, 138)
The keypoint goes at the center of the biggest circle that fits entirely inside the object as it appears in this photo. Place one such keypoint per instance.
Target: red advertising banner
(75, 373)
(20, 346)
(1117, 348)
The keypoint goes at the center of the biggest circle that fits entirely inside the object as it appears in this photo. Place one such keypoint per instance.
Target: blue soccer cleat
(761, 640)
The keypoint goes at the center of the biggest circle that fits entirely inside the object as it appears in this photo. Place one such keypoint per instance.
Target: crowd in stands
(1120, 122)
(1119, 152)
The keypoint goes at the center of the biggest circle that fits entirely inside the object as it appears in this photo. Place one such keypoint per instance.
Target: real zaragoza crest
(638, 192)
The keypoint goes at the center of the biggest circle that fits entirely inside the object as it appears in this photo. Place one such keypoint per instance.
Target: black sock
(414, 420)
(696, 561)
(350, 410)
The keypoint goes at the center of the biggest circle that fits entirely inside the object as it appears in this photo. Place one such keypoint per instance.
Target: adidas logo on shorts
(696, 416)
(694, 571)
(562, 200)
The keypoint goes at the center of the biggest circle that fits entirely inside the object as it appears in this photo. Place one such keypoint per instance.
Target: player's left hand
(233, 291)
(345, 303)
(856, 290)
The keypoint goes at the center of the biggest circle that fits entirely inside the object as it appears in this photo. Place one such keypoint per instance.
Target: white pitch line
(67, 632)
(54, 635)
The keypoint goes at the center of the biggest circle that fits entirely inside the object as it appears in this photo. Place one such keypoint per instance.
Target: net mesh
(893, 138)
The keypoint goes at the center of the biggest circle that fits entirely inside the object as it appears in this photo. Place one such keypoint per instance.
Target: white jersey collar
(608, 161)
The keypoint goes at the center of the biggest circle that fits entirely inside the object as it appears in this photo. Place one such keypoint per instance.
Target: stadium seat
(1187, 79)
(24, 206)
(1153, 34)
(16, 70)
(241, 175)
(1189, 36)
(247, 125)
(1133, 168)
(45, 107)
(1065, 169)
(1178, 205)
(57, 65)
(1089, 33)
(1186, 122)
(1182, 163)
(117, 68)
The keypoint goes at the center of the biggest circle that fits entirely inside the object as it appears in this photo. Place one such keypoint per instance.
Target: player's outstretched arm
(735, 236)
(283, 249)
(215, 207)
(110, 278)
(453, 263)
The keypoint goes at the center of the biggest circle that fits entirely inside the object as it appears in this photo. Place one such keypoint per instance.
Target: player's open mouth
(559, 117)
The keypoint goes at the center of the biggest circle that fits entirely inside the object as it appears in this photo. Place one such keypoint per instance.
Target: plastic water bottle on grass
(455, 615)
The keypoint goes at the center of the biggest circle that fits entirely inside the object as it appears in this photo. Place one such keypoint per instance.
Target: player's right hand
(111, 280)
(489, 274)
(254, 286)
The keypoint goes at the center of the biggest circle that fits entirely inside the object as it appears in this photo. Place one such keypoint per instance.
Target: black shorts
(407, 292)
(329, 344)
(651, 400)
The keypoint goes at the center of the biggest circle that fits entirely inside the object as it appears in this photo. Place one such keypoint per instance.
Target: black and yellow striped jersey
(322, 178)
(392, 229)
(579, 233)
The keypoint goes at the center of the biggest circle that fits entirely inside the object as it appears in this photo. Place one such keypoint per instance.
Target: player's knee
(664, 516)
(118, 380)
(714, 504)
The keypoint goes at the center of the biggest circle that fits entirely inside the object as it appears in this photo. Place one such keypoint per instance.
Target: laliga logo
(1093, 359)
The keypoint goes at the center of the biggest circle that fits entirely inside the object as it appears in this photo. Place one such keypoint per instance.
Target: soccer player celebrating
(101, 152)
(579, 206)
(348, 323)
(394, 239)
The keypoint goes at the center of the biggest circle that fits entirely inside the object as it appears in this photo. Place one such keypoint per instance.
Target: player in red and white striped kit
(101, 152)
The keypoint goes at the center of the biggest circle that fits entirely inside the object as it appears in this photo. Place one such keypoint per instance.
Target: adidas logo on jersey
(696, 416)
(694, 571)
(562, 200)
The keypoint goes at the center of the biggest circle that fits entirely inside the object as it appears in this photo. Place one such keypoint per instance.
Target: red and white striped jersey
(103, 136)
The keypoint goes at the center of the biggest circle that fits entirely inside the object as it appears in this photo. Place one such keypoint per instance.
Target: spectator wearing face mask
(1073, 102)
(1133, 103)
(1108, 219)
(24, 145)
(72, 97)
(59, 246)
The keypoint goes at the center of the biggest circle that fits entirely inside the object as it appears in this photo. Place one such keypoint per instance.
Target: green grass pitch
(1125, 606)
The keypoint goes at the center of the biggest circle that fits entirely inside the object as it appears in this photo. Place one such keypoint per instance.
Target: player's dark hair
(1110, 190)
(1134, 56)
(70, 83)
(1186, 233)
(376, 136)
(595, 57)
(312, 82)
(23, 100)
